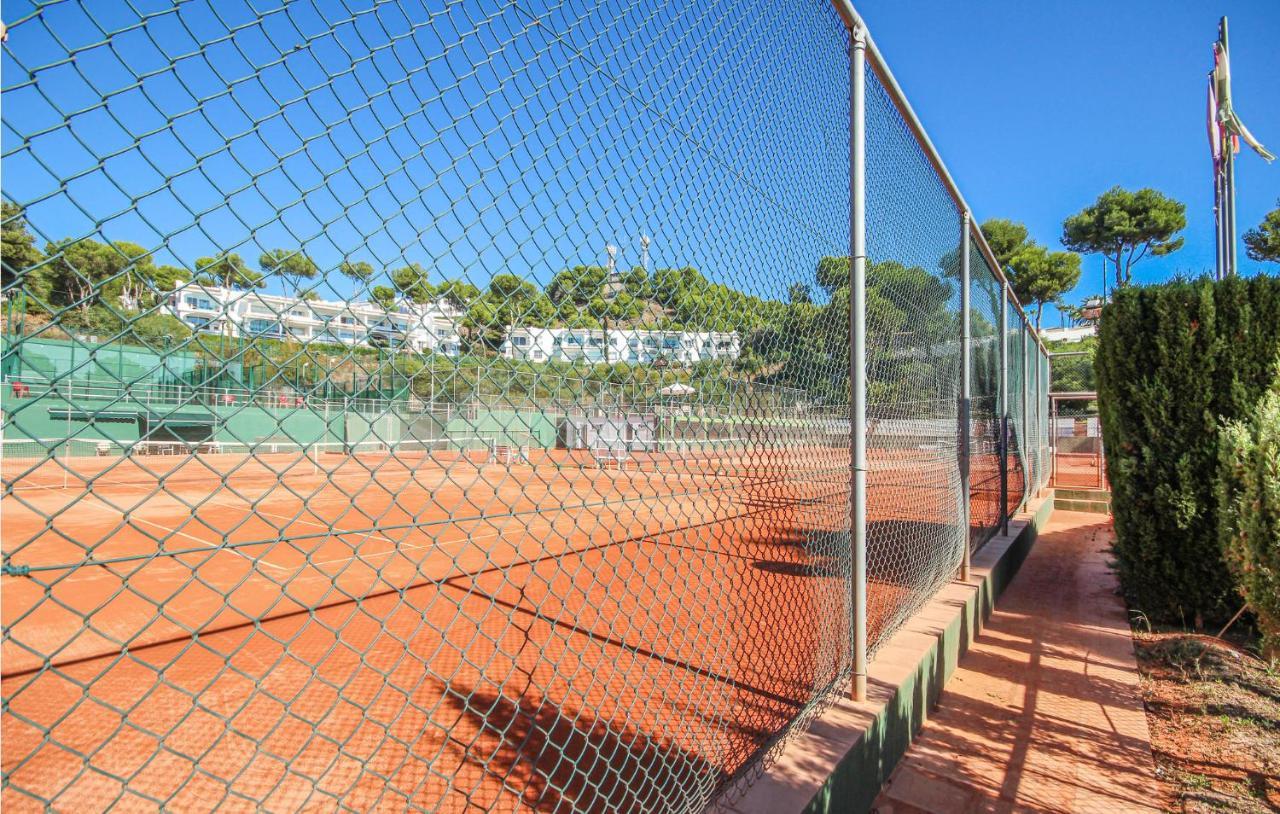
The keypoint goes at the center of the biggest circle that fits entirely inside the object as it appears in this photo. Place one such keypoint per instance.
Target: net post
(1004, 407)
(858, 350)
(966, 385)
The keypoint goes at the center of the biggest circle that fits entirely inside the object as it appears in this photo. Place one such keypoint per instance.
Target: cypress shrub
(1249, 521)
(1172, 362)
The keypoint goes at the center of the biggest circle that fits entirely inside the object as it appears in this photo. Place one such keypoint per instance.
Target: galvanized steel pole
(858, 350)
(1026, 419)
(966, 386)
(1039, 423)
(1004, 407)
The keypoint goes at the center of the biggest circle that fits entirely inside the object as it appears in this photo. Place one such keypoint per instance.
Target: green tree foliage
(18, 250)
(291, 265)
(458, 293)
(358, 271)
(413, 282)
(227, 271)
(1249, 521)
(1005, 237)
(1124, 227)
(832, 273)
(148, 328)
(578, 285)
(384, 297)
(911, 333)
(510, 301)
(1173, 361)
(1073, 374)
(1263, 241)
(692, 302)
(799, 294)
(166, 278)
(1039, 276)
(83, 273)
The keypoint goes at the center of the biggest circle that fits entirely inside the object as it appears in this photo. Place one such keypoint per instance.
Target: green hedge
(1249, 522)
(1173, 361)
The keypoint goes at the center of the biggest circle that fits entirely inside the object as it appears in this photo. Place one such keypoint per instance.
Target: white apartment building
(1077, 333)
(618, 345)
(412, 326)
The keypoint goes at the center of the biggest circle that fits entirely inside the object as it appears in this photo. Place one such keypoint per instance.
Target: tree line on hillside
(90, 284)
(801, 342)
(115, 289)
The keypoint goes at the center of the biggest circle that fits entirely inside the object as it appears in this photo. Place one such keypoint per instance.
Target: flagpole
(1230, 182)
(1228, 178)
(1228, 131)
(1218, 230)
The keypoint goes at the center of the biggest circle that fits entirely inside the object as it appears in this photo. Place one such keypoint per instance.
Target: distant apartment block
(1077, 333)
(417, 327)
(619, 345)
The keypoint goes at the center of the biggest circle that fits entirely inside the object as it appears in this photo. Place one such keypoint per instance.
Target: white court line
(396, 546)
(207, 545)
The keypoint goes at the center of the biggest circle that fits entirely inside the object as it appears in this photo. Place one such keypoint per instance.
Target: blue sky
(467, 137)
(363, 130)
(1037, 107)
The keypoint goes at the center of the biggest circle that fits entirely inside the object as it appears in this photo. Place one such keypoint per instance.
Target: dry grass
(1214, 714)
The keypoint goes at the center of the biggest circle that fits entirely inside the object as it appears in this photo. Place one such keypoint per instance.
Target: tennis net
(52, 462)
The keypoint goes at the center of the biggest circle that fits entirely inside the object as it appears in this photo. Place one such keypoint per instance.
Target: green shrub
(1172, 361)
(1249, 517)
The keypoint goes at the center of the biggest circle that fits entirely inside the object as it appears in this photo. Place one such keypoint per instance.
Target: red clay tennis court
(395, 632)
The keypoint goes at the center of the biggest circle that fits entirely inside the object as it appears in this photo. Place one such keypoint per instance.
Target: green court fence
(474, 406)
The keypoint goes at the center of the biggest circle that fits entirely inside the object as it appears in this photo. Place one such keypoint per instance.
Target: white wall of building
(1075, 334)
(417, 327)
(622, 344)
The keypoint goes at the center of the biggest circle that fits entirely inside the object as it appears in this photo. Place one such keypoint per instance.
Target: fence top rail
(1055, 354)
(855, 23)
(1078, 395)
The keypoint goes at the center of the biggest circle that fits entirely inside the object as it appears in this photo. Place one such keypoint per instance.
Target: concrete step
(1082, 494)
(1094, 501)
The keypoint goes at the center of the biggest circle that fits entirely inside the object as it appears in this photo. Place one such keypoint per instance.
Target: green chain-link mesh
(445, 406)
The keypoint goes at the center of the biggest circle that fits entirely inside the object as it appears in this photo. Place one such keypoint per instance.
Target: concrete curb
(842, 760)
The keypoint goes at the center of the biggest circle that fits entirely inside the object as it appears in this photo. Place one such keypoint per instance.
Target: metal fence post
(966, 385)
(1039, 420)
(1004, 407)
(858, 350)
(1027, 473)
(1053, 432)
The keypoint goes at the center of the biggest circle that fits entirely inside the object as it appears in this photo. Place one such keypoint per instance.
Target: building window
(265, 327)
(520, 341)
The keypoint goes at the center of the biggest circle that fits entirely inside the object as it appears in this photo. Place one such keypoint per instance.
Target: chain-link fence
(1075, 423)
(450, 407)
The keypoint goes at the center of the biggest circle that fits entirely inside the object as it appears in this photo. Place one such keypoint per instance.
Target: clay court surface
(446, 631)
(1080, 471)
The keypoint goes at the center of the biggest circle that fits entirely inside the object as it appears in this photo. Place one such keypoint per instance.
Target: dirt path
(1045, 712)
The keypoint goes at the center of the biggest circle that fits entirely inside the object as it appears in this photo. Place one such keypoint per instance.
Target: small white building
(619, 345)
(418, 327)
(1073, 334)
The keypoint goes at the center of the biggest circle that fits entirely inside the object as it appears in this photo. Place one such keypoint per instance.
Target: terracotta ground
(1045, 712)
(262, 634)
(1214, 713)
